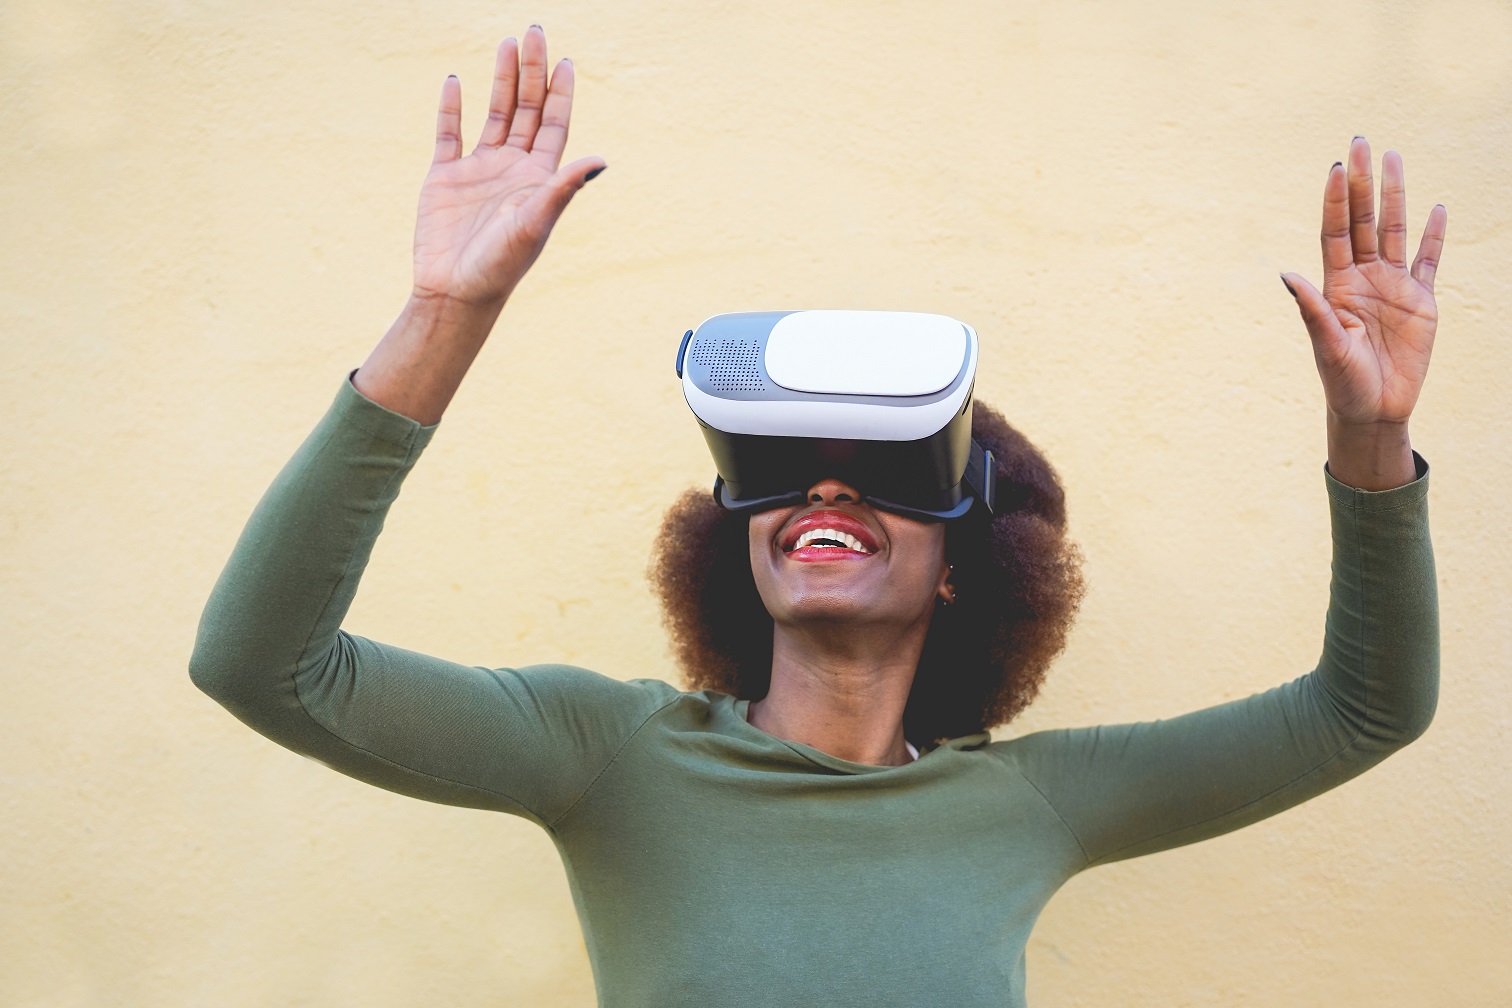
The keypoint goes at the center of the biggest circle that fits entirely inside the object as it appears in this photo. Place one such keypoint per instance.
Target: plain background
(207, 209)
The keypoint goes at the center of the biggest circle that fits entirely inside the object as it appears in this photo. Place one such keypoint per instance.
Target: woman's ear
(946, 591)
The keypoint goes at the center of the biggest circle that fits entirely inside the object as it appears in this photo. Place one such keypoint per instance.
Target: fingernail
(451, 76)
(1337, 164)
(1289, 288)
(1357, 137)
(538, 27)
(595, 173)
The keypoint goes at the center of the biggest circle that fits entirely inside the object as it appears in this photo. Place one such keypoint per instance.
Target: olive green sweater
(713, 864)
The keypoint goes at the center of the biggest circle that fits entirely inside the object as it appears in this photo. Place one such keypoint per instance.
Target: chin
(830, 606)
(828, 610)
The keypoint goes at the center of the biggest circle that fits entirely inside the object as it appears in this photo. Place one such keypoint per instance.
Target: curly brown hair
(1017, 579)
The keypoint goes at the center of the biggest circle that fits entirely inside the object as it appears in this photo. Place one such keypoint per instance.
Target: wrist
(447, 313)
(418, 365)
(1370, 455)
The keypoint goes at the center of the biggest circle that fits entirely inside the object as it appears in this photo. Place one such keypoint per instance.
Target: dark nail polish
(1289, 288)
(595, 173)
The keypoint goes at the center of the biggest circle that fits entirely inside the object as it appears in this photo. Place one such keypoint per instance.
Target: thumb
(546, 204)
(1323, 328)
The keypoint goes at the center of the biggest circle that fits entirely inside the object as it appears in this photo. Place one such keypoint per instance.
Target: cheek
(759, 532)
(918, 554)
(759, 538)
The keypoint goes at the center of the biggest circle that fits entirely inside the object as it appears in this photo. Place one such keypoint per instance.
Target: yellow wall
(206, 213)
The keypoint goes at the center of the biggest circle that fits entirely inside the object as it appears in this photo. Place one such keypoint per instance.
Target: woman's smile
(827, 535)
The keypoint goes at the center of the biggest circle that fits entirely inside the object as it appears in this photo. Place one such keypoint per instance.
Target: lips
(804, 539)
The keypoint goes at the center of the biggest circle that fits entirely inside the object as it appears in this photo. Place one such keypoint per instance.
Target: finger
(449, 122)
(1337, 253)
(501, 102)
(551, 138)
(1392, 231)
(1425, 266)
(531, 94)
(547, 202)
(1361, 202)
(1323, 328)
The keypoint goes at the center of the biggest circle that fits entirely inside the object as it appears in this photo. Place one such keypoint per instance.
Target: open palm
(484, 218)
(1373, 325)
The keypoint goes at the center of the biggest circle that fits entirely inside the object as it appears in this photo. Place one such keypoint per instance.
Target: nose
(833, 491)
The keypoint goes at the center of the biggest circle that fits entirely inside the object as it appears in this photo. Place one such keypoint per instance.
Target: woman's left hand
(1372, 327)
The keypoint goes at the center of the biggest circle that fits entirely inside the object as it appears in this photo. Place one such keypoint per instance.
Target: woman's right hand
(485, 217)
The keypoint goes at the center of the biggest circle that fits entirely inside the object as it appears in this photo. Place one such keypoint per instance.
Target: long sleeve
(270, 649)
(1134, 789)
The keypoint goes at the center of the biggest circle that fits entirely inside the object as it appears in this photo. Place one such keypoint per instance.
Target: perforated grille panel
(733, 364)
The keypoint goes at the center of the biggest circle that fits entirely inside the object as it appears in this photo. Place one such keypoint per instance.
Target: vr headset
(879, 400)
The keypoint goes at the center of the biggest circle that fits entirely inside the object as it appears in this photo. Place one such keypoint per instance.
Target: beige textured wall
(206, 215)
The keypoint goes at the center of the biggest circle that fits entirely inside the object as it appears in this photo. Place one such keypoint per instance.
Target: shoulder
(574, 691)
(1045, 752)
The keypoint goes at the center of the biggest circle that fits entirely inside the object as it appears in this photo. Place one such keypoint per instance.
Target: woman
(792, 845)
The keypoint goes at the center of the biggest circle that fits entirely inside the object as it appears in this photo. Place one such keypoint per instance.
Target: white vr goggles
(879, 400)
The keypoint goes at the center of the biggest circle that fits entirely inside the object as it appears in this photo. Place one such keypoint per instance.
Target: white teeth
(850, 541)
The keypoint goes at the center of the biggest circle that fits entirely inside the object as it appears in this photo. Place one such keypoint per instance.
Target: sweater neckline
(742, 711)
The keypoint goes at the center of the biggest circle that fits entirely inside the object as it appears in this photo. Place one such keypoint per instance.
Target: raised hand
(483, 220)
(1372, 327)
(484, 217)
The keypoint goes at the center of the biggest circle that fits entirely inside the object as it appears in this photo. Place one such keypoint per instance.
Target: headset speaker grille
(734, 364)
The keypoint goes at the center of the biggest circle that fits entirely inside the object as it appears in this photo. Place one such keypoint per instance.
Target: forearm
(420, 362)
(1380, 657)
(1370, 456)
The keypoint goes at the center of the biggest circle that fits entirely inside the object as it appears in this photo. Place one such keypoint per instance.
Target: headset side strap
(979, 476)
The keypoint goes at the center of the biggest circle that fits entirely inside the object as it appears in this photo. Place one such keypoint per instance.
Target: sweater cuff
(355, 409)
(1380, 500)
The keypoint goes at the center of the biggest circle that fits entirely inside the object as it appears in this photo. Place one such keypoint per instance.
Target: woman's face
(837, 559)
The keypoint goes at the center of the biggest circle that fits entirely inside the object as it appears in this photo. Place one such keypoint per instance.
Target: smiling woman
(999, 591)
(774, 836)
